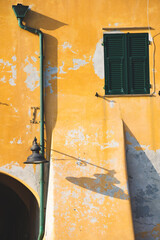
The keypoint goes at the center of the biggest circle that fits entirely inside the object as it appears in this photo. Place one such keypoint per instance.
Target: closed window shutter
(115, 55)
(138, 63)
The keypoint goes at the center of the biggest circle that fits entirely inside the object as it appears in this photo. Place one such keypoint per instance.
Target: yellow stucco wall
(86, 137)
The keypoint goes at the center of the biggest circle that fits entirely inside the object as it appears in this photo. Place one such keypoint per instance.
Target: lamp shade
(35, 157)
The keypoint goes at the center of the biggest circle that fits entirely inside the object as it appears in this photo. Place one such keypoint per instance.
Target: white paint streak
(34, 59)
(111, 103)
(98, 60)
(61, 69)
(111, 144)
(29, 112)
(14, 75)
(150, 37)
(77, 63)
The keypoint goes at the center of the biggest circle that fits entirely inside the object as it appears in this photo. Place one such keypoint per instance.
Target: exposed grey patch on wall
(26, 174)
(98, 60)
(144, 185)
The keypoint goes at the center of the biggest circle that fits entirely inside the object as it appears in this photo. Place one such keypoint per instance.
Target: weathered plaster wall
(88, 195)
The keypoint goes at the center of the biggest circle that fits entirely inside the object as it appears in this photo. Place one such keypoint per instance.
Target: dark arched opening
(19, 211)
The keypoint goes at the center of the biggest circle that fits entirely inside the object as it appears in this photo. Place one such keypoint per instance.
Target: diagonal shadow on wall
(105, 184)
(144, 187)
(101, 183)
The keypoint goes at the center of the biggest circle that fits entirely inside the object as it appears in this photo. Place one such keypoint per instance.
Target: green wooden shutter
(138, 63)
(115, 63)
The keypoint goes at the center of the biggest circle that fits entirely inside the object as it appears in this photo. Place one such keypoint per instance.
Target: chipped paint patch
(77, 63)
(18, 141)
(3, 79)
(111, 144)
(14, 58)
(61, 69)
(15, 109)
(98, 60)
(76, 136)
(32, 80)
(111, 103)
(13, 141)
(93, 220)
(9, 70)
(34, 59)
(68, 45)
(14, 76)
(26, 174)
(49, 75)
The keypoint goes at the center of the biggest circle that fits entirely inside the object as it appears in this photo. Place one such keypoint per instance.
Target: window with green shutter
(126, 58)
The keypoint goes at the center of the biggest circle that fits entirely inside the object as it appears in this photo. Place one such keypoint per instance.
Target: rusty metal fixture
(33, 121)
(35, 157)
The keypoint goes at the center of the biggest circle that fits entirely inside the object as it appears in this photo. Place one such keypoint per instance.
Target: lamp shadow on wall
(102, 183)
(50, 63)
(144, 187)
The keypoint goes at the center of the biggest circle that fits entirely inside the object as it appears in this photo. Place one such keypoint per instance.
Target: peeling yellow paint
(88, 195)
